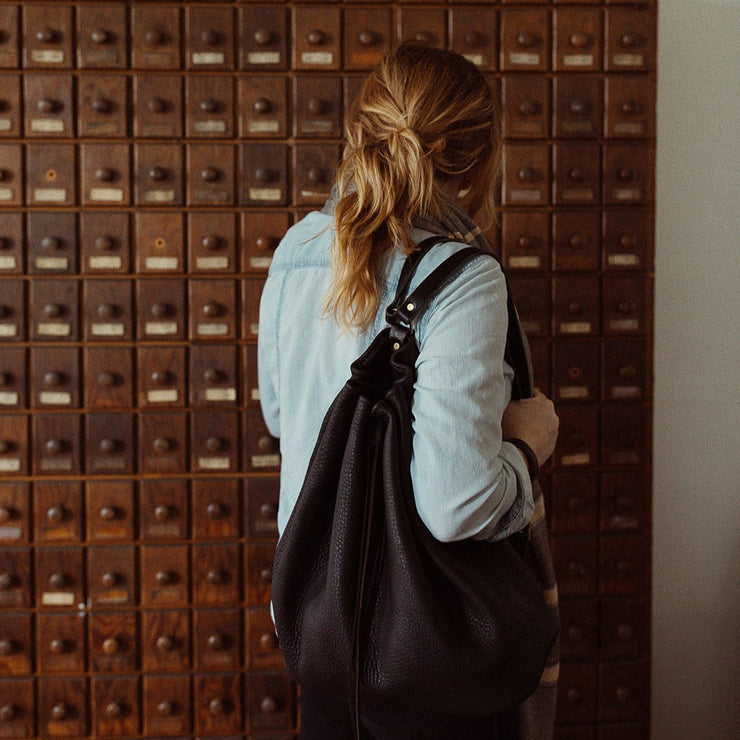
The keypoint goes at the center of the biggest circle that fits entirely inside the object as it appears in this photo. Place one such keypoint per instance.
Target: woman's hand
(534, 420)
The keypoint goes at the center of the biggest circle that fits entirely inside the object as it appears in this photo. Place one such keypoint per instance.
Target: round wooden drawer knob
(262, 36)
(101, 36)
(58, 646)
(166, 708)
(9, 712)
(109, 580)
(316, 37)
(268, 641)
(162, 444)
(162, 512)
(210, 174)
(115, 710)
(161, 310)
(211, 242)
(217, 577)
(102, 105)
(579, 106)
(211, 37)
(58, 580)
(112, 646)
(216, 511)
(108, 513)
(55, 514)
(166, 644)
(47, 35)
(165, 578)
(526, 39)
(158, 174)
(270, 705)
(107, 379)
(209, 105)
(105, 242)
(108, 446)
(61, 711)
(47, 105)
(217, 642)
(527, 174)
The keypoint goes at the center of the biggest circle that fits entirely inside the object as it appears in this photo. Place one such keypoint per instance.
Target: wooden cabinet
(152, 155)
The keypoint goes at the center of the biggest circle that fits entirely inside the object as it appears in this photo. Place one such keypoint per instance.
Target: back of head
(424, 117)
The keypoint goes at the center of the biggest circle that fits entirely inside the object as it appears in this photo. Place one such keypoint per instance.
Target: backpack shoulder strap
(405, 311)
(412, 262)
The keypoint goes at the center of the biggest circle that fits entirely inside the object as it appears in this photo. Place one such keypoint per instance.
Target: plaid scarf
(535, 718)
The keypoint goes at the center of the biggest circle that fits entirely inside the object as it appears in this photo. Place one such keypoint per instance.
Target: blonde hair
(423, 117)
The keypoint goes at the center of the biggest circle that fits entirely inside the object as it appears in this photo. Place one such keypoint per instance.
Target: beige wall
(696, 553)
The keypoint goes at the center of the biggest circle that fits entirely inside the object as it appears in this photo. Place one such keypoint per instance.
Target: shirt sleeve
(467, 481)
(267, 353)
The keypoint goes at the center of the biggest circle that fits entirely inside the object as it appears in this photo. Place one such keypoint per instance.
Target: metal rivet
(409, 306)
(396, 345)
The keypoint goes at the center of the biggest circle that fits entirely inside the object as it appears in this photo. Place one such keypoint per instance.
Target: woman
(423, 130)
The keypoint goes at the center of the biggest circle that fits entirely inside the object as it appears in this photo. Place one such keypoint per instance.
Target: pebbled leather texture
(367, 602)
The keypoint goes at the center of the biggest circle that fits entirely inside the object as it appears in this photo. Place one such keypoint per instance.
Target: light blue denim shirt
(467, 482)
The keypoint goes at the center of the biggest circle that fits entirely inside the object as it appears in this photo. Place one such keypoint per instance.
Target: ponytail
(423, 116)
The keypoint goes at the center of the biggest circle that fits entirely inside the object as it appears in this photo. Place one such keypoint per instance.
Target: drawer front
(56, 444)
(158, 169)
(105, 174)
(55, 377)
(474, 34)
(108, 377)
(155, 37)
(15, 645)
(211, 239)
(104, 242)
(162, 442)
(63, 707)
(316, 38)
(58, 511)
(48, 104)
(15, 512)
(12, 180)
(209, 111)
(59, 578)
(216, 508)
(111, 576)
(163, 509)
(167, 705)
(166, 640)
(13, 380)
(367, 36)
(100, 41)
(60, 643)
(47, 37)
(526, 106)
(51, 174)
(109, 444)
(209, 38)
(110, 510)
(526, 179)
(102, 106)
(525, 40)
(11, 238)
